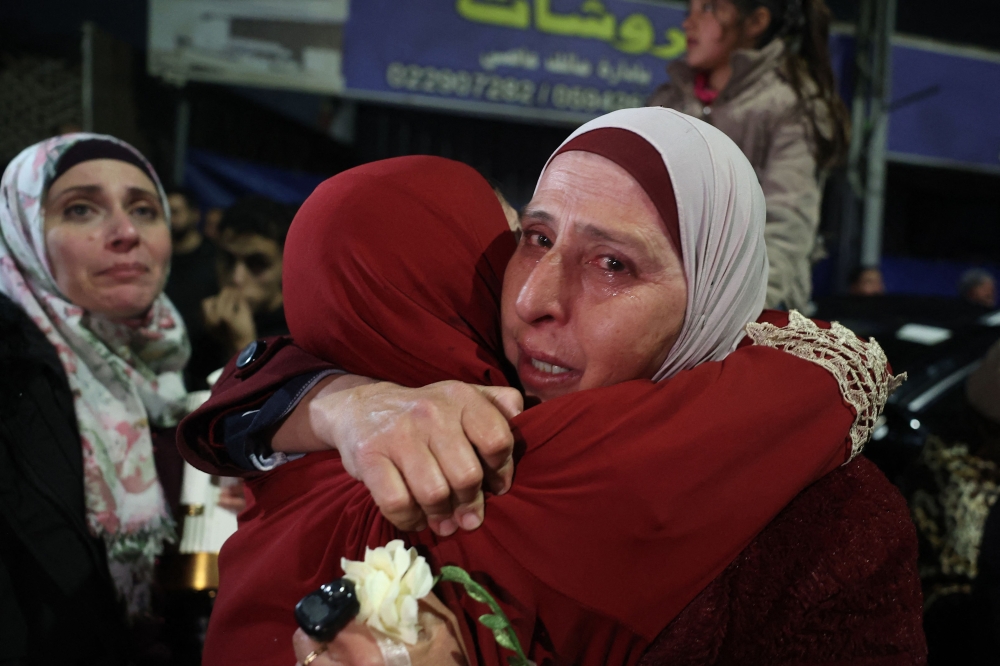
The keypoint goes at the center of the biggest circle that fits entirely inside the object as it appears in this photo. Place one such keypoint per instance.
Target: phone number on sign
(507, 89)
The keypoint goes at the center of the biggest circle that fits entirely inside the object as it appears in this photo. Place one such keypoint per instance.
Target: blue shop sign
(556, 59)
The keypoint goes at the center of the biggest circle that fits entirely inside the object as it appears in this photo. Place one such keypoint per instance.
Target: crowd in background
(226, 277)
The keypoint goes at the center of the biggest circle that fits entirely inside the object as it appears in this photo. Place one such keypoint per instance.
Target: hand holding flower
(356, 644)
(390, 584)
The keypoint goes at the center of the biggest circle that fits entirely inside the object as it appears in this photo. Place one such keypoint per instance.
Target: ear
(757, 23)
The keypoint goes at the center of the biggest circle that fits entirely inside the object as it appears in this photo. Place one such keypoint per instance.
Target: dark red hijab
(627, 500)
(394, 270)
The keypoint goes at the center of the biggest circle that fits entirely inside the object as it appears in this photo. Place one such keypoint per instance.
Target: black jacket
(57, 600)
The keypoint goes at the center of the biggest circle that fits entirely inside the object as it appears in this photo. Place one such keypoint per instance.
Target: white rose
(389, 583)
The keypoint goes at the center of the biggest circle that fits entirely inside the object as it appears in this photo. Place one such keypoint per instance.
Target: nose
(123, 235)
(543, 296)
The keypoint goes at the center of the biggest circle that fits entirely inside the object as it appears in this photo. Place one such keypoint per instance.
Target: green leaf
(504, 640)
(477, 592)
(455, 575)
(497, 622)
(472, 588)
(493, 622)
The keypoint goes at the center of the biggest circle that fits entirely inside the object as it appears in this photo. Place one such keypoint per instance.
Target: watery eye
(613, 265)
(535, 238)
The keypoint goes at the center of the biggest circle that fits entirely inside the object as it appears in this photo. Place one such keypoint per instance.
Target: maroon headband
(643, 162)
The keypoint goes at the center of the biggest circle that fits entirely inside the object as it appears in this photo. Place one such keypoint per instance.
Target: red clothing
(831, 580)
(591, 554)
(627, 501)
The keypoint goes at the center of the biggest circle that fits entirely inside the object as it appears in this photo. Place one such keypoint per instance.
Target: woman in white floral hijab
(84, 254)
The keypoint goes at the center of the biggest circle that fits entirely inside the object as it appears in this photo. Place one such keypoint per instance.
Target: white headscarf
(720, 208)
(124, 376)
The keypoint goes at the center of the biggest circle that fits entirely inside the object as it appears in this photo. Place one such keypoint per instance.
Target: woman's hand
(423, 453)
(356, 645)
(231, 495)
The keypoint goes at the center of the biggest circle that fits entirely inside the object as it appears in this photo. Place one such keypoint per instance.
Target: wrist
(294, 434)
(330, 407)
(308, 427)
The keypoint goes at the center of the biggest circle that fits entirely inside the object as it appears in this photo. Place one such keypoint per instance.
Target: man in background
(192, 279)
(977, 286)
(249, 304)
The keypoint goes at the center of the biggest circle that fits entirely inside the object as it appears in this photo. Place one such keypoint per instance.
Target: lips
(544, 375)
(127, 271)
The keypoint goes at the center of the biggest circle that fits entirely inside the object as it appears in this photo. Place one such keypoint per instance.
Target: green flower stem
(498, 623)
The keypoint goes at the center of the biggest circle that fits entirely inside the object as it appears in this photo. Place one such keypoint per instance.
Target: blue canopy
(218, 181)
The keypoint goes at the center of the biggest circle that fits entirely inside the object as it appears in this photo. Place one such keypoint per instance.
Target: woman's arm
(429, 469)
(424, 453)
(634, 513)
(238, 393)
(618, 517)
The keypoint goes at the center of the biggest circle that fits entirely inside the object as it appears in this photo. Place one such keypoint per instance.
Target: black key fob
(323, 613)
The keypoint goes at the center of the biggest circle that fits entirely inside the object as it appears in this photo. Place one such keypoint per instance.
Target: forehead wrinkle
(537, 214)
(595, 231)
(569, 175)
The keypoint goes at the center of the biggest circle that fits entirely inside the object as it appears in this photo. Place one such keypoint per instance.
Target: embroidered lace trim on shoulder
(860, 367)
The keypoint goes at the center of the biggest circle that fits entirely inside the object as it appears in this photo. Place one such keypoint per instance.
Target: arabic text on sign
(634, 35)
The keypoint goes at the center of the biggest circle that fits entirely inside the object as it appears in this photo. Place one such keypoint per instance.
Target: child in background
(760, 71)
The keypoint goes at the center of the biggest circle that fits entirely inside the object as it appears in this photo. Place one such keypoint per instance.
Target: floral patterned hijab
(124, 376)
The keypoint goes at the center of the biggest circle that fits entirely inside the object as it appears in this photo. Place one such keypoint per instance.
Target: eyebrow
(83, 189)
(536, 214)
(96, 189)
(589, 229)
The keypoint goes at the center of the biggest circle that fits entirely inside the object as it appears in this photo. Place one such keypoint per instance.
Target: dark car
(938, 343)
